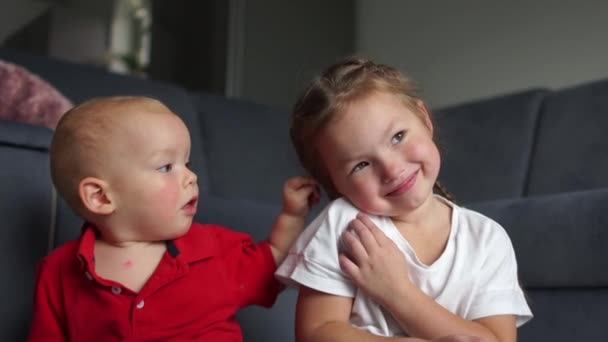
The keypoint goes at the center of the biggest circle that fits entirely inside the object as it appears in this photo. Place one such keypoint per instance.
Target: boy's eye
(165, 168)
(359, 167)
(397, 137)
(189, 166)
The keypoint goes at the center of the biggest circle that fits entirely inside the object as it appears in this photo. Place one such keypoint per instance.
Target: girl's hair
(330, 93)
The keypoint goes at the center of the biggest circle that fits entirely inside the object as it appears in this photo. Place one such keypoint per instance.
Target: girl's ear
(93, 193)
(426, 117)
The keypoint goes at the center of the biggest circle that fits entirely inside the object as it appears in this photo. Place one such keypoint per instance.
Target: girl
(418, 266)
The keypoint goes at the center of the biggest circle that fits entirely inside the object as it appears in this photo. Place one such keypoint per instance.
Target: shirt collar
(197, 244)
(86, 247)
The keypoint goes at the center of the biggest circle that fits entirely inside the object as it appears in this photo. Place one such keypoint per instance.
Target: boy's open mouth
(191, 206)
(192, 202)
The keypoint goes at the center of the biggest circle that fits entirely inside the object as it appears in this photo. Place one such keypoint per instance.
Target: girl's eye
(165, 168)
(189, 166)
(359, 167)
(397, 137)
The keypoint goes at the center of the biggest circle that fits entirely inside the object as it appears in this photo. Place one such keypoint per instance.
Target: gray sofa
(536, 161)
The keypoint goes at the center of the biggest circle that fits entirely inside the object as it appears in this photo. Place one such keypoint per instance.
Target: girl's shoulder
(335, 217)
(340, 212)
(340, 206)
(477, 226)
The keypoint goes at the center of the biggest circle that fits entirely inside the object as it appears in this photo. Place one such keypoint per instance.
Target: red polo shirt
(202, 280)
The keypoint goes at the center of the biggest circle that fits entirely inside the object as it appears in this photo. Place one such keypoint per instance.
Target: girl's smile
(404, 186)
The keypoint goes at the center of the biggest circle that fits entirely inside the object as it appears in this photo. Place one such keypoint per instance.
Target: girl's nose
(391, 170)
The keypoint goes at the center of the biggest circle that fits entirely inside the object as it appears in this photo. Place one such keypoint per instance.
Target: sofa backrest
(248, 148)
(571, 152)
(559, 241)
(26, 209)
(486, 145)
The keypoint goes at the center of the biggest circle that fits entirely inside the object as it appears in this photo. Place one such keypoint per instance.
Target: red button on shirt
(199, 284)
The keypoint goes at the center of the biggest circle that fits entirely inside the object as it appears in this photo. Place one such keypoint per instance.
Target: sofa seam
(541, 105)
(53, 222)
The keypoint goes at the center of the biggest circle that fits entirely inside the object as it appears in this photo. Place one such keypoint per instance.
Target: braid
(441, 190)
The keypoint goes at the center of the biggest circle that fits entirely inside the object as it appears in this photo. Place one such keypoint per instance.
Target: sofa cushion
(81, 82)
(274, 324)
(560, 240)
(27, 98)
(571, 148)
(248, 148)
(252, 217)
(486, 145)
(573, 314)
(26, 209)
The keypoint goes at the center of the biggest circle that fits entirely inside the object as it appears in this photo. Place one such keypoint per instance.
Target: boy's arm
(46, 324)
(299, 195)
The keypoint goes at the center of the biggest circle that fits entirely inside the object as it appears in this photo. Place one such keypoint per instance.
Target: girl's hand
(299, 195)
(374, 262)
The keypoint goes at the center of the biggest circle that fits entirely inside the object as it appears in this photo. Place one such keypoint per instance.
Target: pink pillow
(27, 98)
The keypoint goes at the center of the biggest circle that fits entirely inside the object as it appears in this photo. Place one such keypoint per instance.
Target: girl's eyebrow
(345, 159)
(388, 131)
(390, 128)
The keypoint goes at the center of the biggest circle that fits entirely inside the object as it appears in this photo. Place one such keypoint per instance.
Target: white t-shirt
(475, 276)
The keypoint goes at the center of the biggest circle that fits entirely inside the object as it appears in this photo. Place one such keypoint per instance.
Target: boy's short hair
(81, 139)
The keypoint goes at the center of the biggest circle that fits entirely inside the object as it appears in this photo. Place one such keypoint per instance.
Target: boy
(142, 270)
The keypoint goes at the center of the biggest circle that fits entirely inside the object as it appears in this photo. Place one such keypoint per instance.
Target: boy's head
(123, 162)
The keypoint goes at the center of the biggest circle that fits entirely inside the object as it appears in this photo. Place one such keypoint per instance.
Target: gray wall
(77, 30)
(280, 44)
(80, 35)
(467, 49)
(14, 14)
(286, 42)
(457, 50)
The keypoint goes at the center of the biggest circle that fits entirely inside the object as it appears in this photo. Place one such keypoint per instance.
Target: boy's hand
(299, 195)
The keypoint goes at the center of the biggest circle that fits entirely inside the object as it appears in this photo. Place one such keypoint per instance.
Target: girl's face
(380, 155)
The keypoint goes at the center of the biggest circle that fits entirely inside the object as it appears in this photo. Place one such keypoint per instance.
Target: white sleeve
(498, 290)
(313, 259)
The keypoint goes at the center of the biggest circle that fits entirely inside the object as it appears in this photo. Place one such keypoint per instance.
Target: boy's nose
(191, 177)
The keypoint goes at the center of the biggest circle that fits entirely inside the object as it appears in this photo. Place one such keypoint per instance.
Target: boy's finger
(296, 185)
(314, 198)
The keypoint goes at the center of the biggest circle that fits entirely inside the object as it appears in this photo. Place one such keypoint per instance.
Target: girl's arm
(324, 317)
(377, 267)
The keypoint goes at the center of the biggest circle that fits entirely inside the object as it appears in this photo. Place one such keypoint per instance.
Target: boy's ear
(425, 115)
(93, 193)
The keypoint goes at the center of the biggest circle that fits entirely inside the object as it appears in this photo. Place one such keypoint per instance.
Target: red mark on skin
(127, 264)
